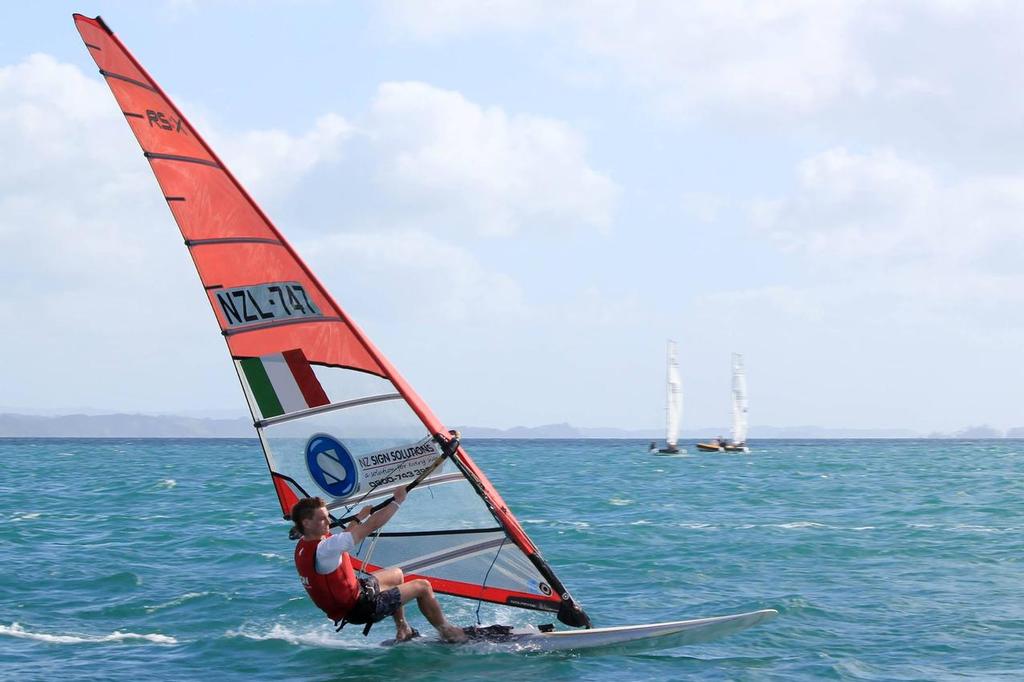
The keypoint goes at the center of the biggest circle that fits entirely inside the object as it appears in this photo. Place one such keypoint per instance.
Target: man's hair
(303, 509)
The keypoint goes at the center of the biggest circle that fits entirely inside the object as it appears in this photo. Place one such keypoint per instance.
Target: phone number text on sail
(260, 303)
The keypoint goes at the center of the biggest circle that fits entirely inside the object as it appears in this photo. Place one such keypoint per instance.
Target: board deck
(626, 637)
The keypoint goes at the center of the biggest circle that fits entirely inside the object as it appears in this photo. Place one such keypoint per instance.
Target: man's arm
(360, 516)
(361, 530)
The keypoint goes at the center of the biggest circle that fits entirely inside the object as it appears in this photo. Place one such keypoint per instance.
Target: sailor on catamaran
(325, 570)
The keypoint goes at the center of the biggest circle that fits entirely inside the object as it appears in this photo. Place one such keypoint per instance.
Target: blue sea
(887, 560)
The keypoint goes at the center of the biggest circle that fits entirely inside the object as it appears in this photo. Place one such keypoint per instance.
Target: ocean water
(888, 560)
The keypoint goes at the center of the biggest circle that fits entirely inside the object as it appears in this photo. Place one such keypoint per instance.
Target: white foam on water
(620, 501)
(15, 630)
(188, 596)
(167, 483)
(976, 529)
(312, 637)
(26, 517)
(798, 524)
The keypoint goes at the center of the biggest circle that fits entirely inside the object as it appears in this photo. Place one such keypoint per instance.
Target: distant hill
(568, 431)
(173, 426)
(122, 426)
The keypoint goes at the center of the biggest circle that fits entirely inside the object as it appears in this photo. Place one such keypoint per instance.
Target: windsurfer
(325, 569)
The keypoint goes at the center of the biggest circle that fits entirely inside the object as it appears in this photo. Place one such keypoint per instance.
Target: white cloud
(61, 140)
(868, 66)
(90, 251)
(785, 54)
(880, 211)
(94, 269)
(462, 165)
(415, 276)
(446, 18)
(272, 162)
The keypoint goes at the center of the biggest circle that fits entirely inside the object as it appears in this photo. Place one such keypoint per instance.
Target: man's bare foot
(451, 633)
(404, 632)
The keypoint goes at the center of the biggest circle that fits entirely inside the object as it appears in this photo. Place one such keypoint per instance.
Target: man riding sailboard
(335, 418)
(325, 569)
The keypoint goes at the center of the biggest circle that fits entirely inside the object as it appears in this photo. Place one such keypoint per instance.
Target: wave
(167, 483)
(15, 630)
(188, 596)
(798, 524)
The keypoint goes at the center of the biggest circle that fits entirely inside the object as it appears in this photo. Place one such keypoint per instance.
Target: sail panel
(158, 129)
(358, 456)
(455, 562)
(207, 203)
(327, 343)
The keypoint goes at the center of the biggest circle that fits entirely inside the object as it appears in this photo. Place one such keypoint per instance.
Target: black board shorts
(378, 606)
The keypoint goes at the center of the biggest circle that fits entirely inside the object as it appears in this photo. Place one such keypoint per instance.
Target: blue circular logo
(331, 466)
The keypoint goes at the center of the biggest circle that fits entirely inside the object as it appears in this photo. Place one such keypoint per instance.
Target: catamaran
(738, 442)
(673, 406)
(333, 416)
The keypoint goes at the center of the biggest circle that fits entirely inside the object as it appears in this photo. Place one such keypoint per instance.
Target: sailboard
(673, 404)
(621, 639)
(334, 417)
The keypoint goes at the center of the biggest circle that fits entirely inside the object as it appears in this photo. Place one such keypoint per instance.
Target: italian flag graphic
(282, 383)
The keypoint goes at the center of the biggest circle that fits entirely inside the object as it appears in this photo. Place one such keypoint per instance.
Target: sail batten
(333, 415)
(183, 159)
(232, 240)
(323, 409)
(126, 79)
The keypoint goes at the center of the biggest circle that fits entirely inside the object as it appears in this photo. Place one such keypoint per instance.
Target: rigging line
(480, 601)
(369, 552)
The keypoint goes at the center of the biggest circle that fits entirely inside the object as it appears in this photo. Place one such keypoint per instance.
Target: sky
(520, 202)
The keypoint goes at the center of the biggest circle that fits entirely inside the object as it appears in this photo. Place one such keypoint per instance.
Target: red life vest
(336, 593)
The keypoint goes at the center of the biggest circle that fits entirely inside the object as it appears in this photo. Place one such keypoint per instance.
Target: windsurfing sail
(739, 400)
(674, 400)
(334, 417)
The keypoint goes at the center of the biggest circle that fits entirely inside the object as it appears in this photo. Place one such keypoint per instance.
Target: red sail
(268, 302)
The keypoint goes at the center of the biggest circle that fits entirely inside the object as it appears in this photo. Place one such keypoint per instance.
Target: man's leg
(388, 578)
(423, 593)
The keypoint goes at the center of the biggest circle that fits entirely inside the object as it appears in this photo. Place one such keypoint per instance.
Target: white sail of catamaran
(738, 442)
(739, 405)
(673, 404)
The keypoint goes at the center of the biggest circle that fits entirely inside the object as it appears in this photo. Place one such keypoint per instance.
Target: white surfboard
(626, 637)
